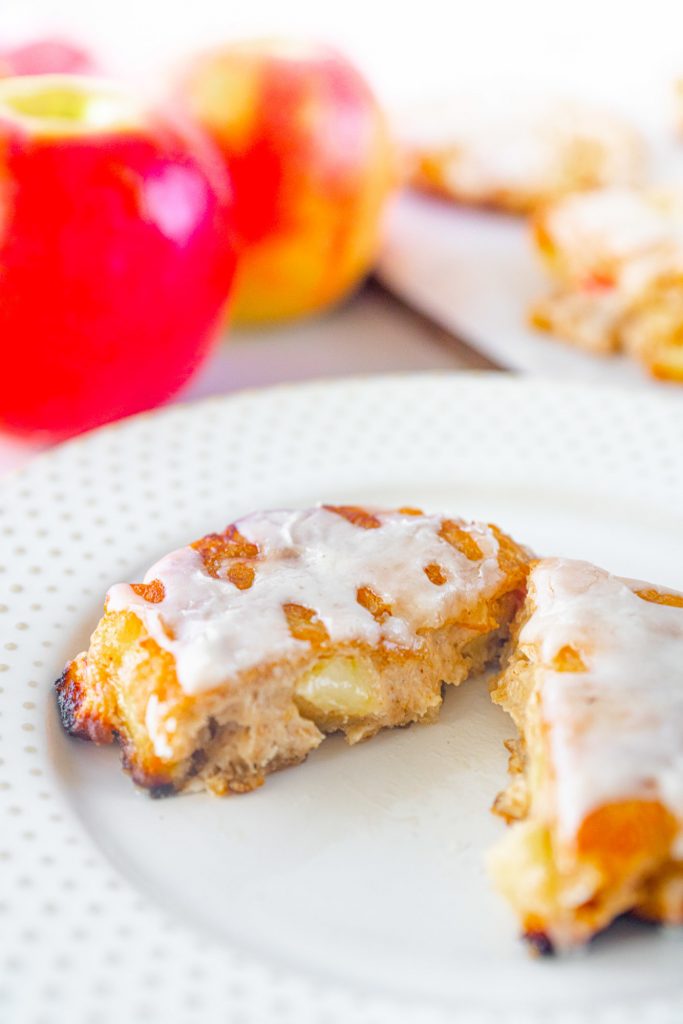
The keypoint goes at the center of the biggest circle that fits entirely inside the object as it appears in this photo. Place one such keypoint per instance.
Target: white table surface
(371, 333)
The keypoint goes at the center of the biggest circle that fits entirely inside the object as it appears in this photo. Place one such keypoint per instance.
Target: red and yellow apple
(308, 150)
(46, 56)
(116, 253)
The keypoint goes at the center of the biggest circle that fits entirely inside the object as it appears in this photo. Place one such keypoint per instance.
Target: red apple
(46, 56)
(116, 253)
(309, 154)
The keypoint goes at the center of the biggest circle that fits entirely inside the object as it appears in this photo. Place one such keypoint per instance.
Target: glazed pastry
(595, 686)
(617, 260)
(486, 155)
(238, 653)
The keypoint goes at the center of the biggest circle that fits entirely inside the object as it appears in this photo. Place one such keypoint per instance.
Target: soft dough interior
(227, 739)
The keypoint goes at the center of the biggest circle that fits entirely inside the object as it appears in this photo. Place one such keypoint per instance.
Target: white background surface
(623, 49)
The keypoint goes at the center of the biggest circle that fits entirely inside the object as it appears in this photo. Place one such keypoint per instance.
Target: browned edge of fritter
(78, 723)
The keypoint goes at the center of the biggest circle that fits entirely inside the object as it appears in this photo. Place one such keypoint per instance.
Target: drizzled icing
(616, 730)
(318, 559)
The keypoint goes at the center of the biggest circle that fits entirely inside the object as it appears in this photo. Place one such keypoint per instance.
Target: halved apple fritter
(595, 686)
(238, 653)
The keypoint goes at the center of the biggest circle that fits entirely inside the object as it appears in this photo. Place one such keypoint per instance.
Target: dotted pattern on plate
(82, 945)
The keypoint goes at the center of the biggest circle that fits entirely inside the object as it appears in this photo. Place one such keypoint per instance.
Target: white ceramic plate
(351, 888)
(475, 272)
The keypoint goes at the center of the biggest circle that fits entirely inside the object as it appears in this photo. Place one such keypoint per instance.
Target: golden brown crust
(217, 549)
(356, 515)
(72, 701)
(660, 597)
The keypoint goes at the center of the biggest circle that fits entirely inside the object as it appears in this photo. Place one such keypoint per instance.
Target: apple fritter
(237, 654)
(595, 686)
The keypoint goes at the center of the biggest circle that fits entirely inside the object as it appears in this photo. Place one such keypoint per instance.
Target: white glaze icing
(314, 558)
(616, 730)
